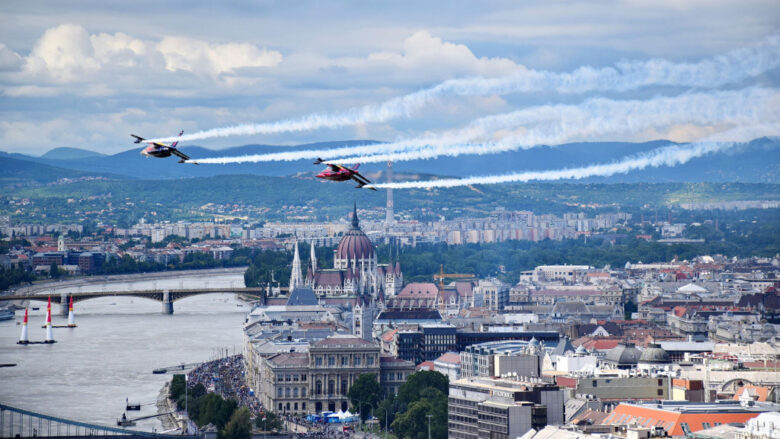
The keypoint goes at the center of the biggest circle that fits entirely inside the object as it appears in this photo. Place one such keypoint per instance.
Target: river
(110, 356)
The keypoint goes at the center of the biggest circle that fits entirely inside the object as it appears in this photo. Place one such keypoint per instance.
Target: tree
(413, 423)
(364, 394)
(269, 421)
(239, 426)
(177, 386)
(417, 382)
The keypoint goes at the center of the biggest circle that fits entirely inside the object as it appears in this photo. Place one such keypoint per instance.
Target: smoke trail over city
(671, 155)
(730, 68)
(554, 124)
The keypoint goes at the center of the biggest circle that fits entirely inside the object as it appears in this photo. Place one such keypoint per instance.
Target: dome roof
(623, 354)
(654, 354)
(355, 244)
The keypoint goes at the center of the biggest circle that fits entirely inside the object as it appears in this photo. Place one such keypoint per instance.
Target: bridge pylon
(167, 303)
(64, 304)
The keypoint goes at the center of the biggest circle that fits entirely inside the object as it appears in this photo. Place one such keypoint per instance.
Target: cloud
(423, 51)
(68, 59)
(213, 59)
(9, 60)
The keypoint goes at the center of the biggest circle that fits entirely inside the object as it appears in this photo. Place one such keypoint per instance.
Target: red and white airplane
(161, 150)
(336, 172)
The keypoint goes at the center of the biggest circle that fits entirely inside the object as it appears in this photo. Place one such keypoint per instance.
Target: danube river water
(110, 356)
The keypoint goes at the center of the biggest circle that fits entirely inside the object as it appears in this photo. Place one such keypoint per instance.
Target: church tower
(61, 244)
(313, 258)
(296, 277)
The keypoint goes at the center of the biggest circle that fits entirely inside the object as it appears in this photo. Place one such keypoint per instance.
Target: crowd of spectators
(226, 377)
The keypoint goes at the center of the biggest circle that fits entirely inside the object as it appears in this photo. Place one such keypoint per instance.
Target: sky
(86, 74)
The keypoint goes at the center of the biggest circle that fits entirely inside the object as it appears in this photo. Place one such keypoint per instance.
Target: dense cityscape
(668, 347)
(399, 220)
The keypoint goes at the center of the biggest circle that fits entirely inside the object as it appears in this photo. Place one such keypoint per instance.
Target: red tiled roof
(425, 365)
(419, 290)
(449, 357)
(388, 336)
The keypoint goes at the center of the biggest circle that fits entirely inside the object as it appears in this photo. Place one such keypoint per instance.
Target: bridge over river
(166, 296)
(17, 422)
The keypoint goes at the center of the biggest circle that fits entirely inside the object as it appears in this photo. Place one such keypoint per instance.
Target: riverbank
(165, 405)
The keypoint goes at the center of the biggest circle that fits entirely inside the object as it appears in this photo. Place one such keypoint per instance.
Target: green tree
(177, 386)
(417, 382)
(239, 426)
(213, 409)
(269, 421)
(413, 423)
(364, 394)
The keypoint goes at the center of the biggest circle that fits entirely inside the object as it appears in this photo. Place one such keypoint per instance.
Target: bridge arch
(732, 385)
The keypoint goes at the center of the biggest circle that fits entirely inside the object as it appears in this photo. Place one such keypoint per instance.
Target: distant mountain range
(756, 162)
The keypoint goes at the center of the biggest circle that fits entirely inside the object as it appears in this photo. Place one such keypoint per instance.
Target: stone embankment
(166, 405)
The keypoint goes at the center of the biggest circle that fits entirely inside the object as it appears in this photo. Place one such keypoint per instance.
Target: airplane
(161, 150)
(336, 172)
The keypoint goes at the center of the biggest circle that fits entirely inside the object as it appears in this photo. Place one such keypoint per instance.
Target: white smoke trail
(730, 68)
(553, 124)
(671, 155)
(557, 124)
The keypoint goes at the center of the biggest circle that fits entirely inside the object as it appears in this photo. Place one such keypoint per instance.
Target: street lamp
(429, 425)
(186, 407)
(386, 416)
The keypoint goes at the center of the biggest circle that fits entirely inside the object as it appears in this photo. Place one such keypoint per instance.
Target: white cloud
(424, 51)
(213, 59)
(67, 59)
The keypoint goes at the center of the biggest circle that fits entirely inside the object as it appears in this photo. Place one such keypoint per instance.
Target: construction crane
(442, 275)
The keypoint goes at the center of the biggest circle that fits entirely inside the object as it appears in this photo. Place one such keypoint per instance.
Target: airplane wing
(184, 157)
(361, 181)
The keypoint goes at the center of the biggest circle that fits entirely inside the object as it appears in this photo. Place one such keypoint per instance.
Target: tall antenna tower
(389, 214)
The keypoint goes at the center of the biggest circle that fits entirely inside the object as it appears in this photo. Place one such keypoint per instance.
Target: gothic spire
(355, 224)
(296, 277)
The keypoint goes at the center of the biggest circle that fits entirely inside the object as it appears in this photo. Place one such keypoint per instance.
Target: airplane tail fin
(138, 139)
(355, 168)
(173, 145)
(318, 161)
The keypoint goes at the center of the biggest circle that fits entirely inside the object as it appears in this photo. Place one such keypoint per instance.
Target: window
(660, 392)
(400, 376)
(318, 361)
(287, 377)
(296, 406)
(660, 382)
(370, 361)
(705, 425)
(295, 393)
(303, 406)
(343, 387)
(357, 361)
(280, 407)
(287, 392)
(331, 360)
(303, 393)
(685, 428)
(279, 392)
(303, 377)
(344, 360)
(595, 383)
(318, 387)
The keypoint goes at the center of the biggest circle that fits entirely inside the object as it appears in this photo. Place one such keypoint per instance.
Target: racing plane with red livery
(336, 172)
(161, 150)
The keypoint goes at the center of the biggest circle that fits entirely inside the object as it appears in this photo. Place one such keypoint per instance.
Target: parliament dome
(355, 245)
